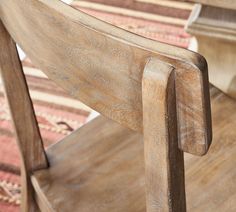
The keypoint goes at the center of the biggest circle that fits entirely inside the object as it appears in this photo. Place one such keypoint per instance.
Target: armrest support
(164, 163)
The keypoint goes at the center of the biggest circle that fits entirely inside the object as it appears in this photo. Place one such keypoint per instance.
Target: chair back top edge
(102, 65)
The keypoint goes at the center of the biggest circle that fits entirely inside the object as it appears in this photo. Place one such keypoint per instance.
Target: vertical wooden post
(25, 124)
(164, 164)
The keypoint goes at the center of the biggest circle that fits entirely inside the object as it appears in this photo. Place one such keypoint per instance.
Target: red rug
(158, 26)
(57, 119)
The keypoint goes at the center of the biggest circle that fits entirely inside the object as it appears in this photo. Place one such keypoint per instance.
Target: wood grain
(26, 128)
(103, 65)
(106, 171)
(164, 162)
(108, 168)
(210, 180)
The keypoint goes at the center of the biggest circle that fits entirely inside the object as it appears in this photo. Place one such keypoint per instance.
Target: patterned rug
(57, 113)
(165, 26)
(56, 120)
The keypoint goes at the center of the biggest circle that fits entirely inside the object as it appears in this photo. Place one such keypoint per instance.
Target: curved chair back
(108, 69)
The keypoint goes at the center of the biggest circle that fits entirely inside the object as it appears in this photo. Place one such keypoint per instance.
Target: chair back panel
(102, 65)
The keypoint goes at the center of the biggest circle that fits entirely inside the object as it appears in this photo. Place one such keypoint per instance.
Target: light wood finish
(215, 30)
(26, 128)
(210, 180)
(101, 169)
(152, 88)
(108, 174)
(87, 58)
(229, 4)
(164, 163)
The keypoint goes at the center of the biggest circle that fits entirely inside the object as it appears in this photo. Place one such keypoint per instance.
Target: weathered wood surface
(108, 174)
(164, 162)
(103, 65)
(88, 172)
(210, 180)
(26, 128)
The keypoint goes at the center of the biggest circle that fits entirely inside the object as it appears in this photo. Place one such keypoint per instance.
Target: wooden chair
(155, 98)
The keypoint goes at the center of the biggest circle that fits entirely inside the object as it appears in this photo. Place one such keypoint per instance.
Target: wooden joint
(191, 98)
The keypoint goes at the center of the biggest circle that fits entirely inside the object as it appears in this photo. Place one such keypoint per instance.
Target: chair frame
(161, 123)
(26, 128)
(164, 162)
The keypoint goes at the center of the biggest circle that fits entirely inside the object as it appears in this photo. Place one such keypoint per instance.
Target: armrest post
(164, 163)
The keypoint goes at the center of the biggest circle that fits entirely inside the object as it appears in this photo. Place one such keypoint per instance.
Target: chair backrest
(147, 86)
(103, 65)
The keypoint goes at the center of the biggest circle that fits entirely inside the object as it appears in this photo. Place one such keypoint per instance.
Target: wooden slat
(103, 65)
(164, 162)
(28, 136)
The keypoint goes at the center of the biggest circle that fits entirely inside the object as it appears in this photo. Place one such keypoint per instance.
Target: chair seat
(90, 172)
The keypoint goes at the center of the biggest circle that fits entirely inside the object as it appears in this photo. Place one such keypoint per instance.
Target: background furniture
(213, 22)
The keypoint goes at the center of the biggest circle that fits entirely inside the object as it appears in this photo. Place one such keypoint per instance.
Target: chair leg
(22, 113)
(28, 203)
(164, 163)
